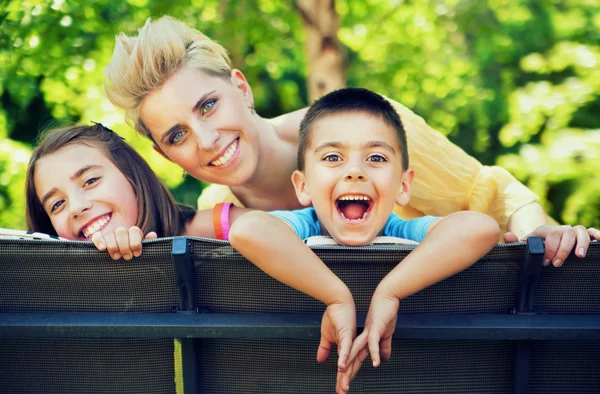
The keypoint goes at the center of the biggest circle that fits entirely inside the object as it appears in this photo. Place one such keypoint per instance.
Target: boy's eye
(55, 206)
(176, 137)
(331, 157)
(377, 158)
(91, 181)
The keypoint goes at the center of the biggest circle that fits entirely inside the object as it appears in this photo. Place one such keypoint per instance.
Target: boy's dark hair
(350, 100)
(157, 211)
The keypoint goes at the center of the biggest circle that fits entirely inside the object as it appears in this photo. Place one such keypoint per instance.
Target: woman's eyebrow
(76, 175)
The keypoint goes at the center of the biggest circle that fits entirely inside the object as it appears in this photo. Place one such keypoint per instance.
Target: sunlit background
(514, 83)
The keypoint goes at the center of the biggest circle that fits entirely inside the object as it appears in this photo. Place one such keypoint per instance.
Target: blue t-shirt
(306, 224)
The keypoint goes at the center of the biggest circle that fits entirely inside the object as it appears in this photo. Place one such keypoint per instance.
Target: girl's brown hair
(157, 210)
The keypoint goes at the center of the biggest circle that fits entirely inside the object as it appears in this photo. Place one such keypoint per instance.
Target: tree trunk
(326, 60)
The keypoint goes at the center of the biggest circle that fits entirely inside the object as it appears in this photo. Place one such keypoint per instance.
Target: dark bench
(74, 321)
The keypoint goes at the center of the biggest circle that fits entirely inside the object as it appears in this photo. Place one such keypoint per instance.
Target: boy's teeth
(354, 198)
(95, 227)
(226, 156)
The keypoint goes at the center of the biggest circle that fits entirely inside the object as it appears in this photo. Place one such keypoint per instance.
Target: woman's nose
(206, 136)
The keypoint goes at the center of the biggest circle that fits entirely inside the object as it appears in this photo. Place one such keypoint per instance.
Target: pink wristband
(225, 220)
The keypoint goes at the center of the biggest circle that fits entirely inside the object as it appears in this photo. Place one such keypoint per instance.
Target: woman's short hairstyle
(157, 211)
(142, 64)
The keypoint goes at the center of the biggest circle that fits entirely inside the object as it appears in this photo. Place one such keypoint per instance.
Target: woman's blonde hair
(141, 64)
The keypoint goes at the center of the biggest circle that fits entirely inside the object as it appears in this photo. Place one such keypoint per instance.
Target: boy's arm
(274, 247)
(452, 244)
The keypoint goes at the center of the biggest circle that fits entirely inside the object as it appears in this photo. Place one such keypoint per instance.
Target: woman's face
(205, 125)
(83, 192)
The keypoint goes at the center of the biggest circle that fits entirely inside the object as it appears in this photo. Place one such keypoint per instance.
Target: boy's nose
(355, 174)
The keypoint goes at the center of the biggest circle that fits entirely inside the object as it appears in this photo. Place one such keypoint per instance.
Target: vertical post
(184, 272)
(528, 278)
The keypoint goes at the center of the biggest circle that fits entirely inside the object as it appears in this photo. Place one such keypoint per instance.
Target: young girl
(87, 183)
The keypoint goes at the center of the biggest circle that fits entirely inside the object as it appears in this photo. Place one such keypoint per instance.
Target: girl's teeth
(95, 227)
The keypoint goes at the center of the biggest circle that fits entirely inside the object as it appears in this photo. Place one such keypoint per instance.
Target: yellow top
(446, 179)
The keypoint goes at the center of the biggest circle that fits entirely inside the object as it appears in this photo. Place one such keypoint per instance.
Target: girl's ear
(156, 148)
(239, 81)
(405, 187)
(300, 186)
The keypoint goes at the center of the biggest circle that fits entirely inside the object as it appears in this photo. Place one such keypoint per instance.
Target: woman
(179, 90)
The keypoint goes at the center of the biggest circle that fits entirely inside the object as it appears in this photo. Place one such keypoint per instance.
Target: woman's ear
(300, 186)
(156, 148)
(405, 188)
(239, 81)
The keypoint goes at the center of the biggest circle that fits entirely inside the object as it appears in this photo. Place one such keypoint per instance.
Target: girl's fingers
(111, 246)
(135, 240)
(98, 240)
(122, 237)
(151, 235)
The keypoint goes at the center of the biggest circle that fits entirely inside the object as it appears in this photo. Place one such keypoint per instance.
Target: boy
(353, 168)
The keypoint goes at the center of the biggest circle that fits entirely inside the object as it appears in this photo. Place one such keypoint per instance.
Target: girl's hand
(122, 243)
(376, 337)
(337, 327)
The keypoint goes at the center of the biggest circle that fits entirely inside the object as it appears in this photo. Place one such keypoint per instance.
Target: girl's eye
(207, 106)
(91, 181)
(55, 206)
(377, 158)
(176, 137)
(332, 157)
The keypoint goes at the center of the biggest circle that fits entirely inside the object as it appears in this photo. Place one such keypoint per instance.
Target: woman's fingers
(583, 241)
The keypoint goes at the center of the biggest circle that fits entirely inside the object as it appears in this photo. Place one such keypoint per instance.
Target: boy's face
(353, 176)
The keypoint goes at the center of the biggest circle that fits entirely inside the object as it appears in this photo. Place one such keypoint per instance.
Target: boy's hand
(122, 243)
(337, 327)
(376, 337)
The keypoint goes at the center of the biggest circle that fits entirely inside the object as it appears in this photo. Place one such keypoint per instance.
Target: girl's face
(83, 192)
(205, 125)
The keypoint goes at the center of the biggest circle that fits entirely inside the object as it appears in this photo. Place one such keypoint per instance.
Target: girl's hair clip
(107, 129)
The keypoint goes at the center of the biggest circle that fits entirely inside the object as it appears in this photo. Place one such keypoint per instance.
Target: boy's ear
(405, 187)
(156, 148)
(239, 81)
(300, 186)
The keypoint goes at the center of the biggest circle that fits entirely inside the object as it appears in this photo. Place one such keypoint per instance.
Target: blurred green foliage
(513, 82)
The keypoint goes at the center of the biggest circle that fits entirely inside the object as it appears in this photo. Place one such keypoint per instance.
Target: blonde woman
(178, 89)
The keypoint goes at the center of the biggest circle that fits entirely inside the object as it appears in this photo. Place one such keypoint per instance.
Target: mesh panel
(573, 288)
(86, 366)
(226, 282)
(275, 366)
(565, 367)
(41, 275)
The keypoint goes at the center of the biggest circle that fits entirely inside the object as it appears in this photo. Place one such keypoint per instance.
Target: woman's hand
(560, 241)
(122, 243)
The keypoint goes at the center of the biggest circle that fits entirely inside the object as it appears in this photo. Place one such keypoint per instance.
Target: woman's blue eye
(377, 158)
(176, 137)
(208, 105)
(331, 157)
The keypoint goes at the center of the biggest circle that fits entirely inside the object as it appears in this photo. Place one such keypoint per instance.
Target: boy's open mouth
(354, 207)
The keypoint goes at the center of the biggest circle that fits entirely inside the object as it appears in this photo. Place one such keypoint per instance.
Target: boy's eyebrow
(378, 144)
(76, 175)
(194, 108)
(328, 144)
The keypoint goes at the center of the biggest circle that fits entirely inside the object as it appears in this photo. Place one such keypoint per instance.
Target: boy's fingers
(344, 348)
(374, 347)
(583, 241)
(122, 236)
(151, 235)
(111, 246)
(135, 240)
(324, 350)
(98, 240)
(385, 347)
